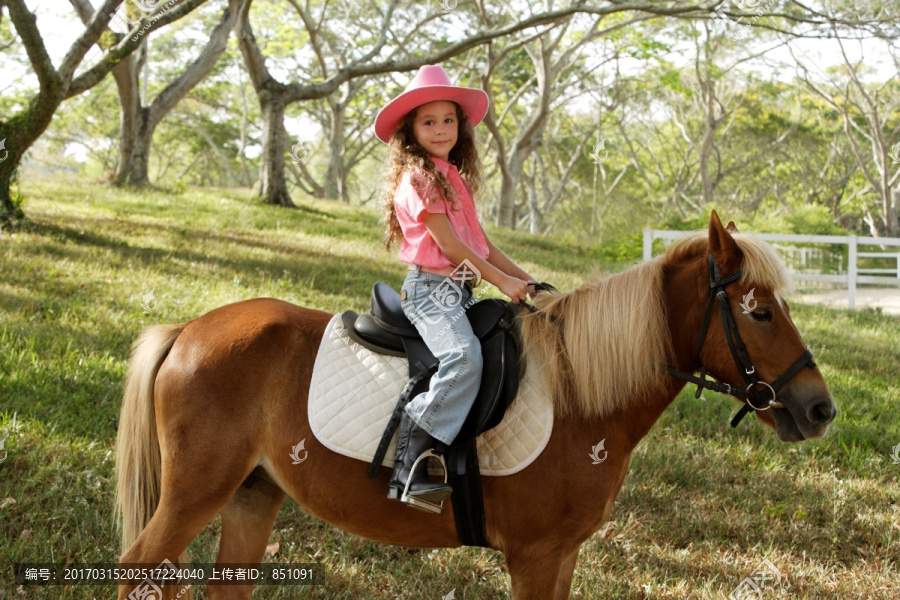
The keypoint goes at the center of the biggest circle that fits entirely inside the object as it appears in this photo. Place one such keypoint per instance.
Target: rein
(754, 393)
(539, 286)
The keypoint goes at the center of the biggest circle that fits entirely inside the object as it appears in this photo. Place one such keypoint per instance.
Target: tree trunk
(271, 95)
(10, 214)
(126, 75)
(21, 131)
(509, 183)
(706, 144)
(16, 136)
(891, 226)
(536, 218)
(272, 181)
(136, 135)
(335, 177)
(137, 172)
(896, 208)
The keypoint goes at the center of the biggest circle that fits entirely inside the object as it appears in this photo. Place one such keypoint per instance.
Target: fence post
(648, 244)
(851, 273)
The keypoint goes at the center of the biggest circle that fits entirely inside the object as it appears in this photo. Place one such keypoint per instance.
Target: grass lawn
(702, 507)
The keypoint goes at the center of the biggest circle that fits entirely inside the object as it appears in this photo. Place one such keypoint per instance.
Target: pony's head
(611, 344)
(754, 315)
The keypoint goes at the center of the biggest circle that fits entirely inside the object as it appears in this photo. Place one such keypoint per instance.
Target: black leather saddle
(387, 330)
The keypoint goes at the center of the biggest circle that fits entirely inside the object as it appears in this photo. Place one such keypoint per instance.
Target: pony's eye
(762, 315)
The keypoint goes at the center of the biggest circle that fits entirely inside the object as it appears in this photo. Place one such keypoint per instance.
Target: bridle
(754, 393)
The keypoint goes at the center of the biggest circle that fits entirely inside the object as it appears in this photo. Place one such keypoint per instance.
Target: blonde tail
(138, 460)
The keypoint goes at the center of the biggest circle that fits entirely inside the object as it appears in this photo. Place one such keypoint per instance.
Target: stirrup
(425, 505)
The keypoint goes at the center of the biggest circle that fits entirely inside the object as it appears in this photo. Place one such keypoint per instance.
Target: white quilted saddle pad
(354, 390)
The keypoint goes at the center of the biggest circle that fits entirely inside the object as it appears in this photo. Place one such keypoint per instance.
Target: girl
(432, 174)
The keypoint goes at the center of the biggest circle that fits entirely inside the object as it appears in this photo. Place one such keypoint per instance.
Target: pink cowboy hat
(431, 83)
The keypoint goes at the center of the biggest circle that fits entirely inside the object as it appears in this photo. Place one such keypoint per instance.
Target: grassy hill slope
(702, 507)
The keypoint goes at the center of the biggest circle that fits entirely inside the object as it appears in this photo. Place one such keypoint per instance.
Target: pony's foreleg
(539, 573)
(247, 522)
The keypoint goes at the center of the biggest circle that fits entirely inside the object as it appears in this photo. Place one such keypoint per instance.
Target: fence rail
(850, 274)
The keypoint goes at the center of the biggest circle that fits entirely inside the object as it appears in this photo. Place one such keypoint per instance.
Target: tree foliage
(605, 116)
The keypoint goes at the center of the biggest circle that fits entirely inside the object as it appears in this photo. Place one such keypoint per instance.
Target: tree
(870, 114)
(395, 41)
(552, 58)
(693, 143)
(353, 46)
(138, 122)
(21, 130)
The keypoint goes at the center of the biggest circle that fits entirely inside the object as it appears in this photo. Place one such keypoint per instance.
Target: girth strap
(464, 477)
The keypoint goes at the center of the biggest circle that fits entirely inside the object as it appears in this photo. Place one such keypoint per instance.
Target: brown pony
(240, 375)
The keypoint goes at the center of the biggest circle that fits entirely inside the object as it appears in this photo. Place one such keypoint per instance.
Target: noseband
(755, 392)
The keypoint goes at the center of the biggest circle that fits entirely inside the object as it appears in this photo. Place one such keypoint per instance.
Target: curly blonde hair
(407, 155)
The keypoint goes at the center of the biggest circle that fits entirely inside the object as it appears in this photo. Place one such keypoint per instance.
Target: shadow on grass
(364, 271)
(60, 323)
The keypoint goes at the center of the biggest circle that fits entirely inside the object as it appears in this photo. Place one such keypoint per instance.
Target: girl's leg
(437, 306)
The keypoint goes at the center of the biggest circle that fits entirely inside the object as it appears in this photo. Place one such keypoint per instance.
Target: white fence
(848, 274)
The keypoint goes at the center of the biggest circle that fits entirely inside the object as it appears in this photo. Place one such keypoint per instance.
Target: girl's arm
(505, 263)
(456, 250)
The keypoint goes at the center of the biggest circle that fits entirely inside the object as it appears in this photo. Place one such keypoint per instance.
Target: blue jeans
(436, 306)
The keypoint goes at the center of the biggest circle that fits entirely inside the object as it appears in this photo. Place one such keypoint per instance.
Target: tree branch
(126, 46)
(87, 38)
(26, 26)
(253, 58)
(200, 68)
(296, 91)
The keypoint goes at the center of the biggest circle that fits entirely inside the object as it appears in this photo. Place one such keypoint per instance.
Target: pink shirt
(418, 247)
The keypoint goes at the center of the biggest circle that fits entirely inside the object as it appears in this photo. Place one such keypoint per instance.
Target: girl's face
(436, 127)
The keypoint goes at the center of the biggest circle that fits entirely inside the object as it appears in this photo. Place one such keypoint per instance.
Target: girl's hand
(516, 289)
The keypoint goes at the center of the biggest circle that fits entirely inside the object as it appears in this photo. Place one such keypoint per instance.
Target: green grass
(700, 509)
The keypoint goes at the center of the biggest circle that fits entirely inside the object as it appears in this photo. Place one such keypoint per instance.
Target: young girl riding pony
(432, 175)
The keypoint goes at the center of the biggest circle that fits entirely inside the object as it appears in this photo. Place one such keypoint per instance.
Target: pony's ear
(722, 246)
(731, 227)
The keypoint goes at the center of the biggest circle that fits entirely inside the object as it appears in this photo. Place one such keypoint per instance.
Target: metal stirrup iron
(425, 505)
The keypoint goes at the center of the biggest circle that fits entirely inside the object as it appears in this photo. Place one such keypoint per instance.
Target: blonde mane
(605, 345)
(761, 265)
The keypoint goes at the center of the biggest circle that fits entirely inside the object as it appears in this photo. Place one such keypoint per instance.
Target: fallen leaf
(272, 549)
